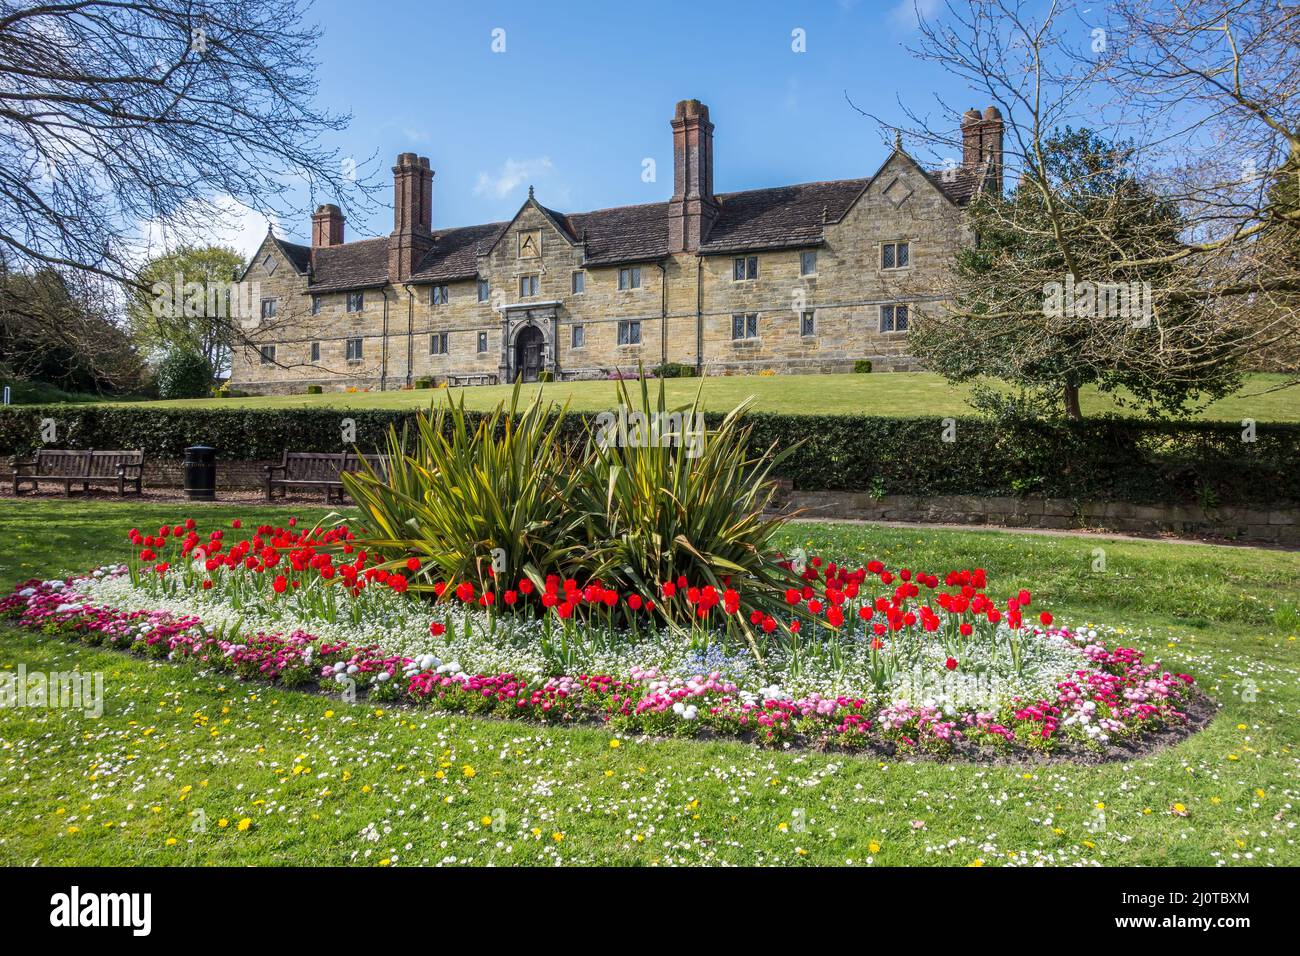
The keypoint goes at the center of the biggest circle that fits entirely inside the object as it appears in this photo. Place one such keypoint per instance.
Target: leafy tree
(207, 333)
(184, 373)
(57, 328)
(1049, 298)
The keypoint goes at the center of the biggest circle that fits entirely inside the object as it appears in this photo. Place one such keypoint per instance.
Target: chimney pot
(412, 234)
(327, 226)
(692, 208)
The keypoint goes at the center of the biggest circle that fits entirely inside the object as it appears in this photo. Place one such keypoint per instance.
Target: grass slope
(901, 393)
(321, 782)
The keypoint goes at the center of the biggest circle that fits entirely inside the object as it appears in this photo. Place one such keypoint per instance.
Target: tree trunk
(1072, 409)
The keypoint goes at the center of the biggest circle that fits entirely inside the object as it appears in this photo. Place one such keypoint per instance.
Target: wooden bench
(472, 378)
(309, 469)
(85, 468)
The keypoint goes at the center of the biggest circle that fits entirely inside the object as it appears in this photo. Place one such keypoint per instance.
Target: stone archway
(529, 357)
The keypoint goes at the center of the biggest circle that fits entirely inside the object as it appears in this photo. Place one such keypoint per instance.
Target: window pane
(738, 269)
(887, 255)
(752, 268)
(483, 290)
(751, 326)
(579, 280)
(902, 254)
(636, 333)
(900, 317)
(636, 277)
(737, 326)
(806, 324)
(808, 263)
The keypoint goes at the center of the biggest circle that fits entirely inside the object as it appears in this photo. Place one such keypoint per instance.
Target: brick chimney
(692, 209)
(981, 140)
(327, 226)
(412, 234)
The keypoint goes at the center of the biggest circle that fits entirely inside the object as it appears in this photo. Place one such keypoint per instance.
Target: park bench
(472, 378)
(81, 467)
(309, 469)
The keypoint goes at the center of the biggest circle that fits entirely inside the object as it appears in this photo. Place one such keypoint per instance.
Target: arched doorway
(528, 353)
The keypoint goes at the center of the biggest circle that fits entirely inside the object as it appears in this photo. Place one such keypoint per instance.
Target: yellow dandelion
(873, 847)
(486, 821)
(557, 836)
(223, 823)
(615, 743)
(468, 771)
(243, 824)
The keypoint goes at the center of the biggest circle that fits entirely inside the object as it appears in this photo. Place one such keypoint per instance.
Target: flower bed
(868, 658)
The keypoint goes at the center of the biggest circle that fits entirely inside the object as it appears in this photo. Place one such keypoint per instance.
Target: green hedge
(1120, 459)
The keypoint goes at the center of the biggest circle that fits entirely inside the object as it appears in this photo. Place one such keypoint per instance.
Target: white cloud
(223, 220)
(513, 174)
(907, 12)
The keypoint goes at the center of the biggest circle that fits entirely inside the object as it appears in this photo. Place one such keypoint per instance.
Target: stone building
(804, 278)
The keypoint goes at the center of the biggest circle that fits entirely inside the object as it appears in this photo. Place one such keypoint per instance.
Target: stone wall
(1276, 525)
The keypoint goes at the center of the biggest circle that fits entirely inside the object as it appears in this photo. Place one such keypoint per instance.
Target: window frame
(482, 344)
(484, 290)
(803, 263)
(274, 303)
(744, 269)
(533, 280)
(578, 282)
(439, 294)
(315, 305)
(808, 318)
(893, 308)
(633, 277)
(357, 296)
(354, 349)
(748, 326)
(625, 330)
(266, 354)
(441, 339)
(578, 337)
(895, 245)
(314, 352)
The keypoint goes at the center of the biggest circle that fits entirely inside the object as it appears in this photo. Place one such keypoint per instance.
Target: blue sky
(583, 93)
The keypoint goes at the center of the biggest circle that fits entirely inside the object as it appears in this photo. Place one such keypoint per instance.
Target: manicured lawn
(322, 782)
(903, 393)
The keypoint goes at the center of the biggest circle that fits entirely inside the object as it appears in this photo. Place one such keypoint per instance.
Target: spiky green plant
(454, 496)
(677, 499)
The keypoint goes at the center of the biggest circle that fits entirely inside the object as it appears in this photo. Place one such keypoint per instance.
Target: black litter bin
(201, 473)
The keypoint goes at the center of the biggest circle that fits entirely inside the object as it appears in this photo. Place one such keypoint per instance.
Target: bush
(184, 374)
(315, 390)
(862, 366)
(674, 370)
(425, 381)
(1096, 459)
(546, 376)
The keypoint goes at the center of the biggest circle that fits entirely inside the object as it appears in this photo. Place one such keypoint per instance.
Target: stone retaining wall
(1277, 524)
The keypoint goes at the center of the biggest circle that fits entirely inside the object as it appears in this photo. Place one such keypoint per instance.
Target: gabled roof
(299, 256)
(455, 252)
(623, 233)
(781, 217)
(353, 265)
